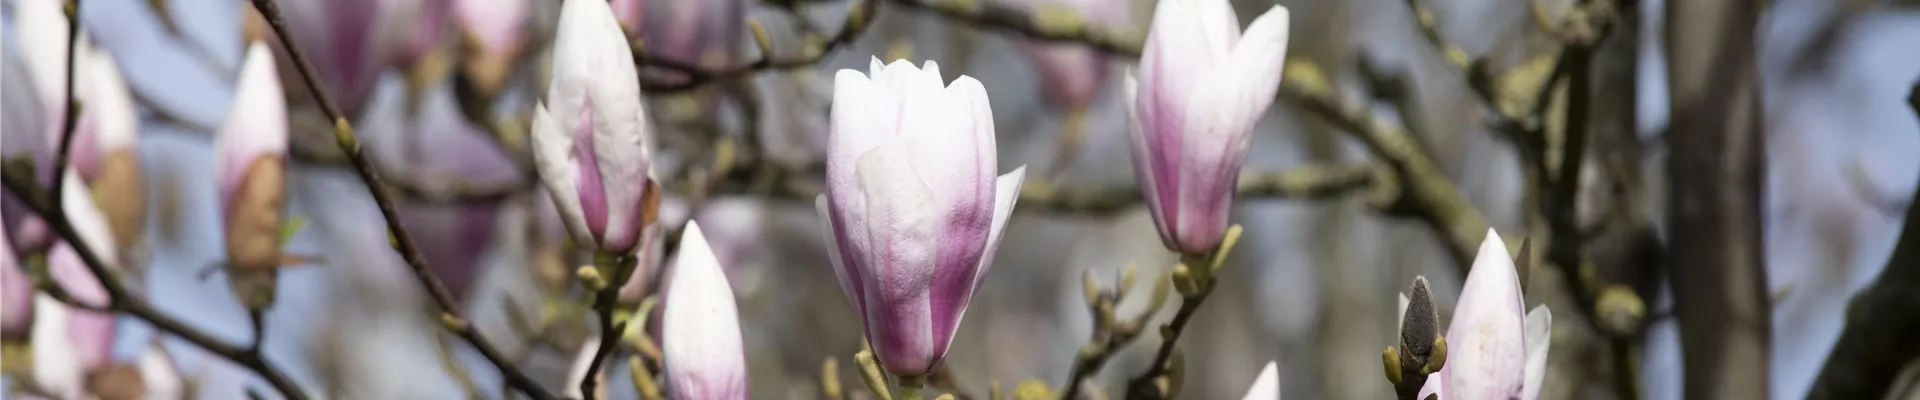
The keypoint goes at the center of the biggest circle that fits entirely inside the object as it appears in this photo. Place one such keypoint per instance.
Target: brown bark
(1716, 168)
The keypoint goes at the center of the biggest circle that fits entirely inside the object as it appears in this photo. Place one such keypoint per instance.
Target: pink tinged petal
(256, 126)
(91, 333)
(1488, 350)
(554, 160)
(701, 342)
(1539, 342)
(898, 258)
(16, 293)
(952, 150)
(649, 253)
(839, 252)
(1212, 148)
(1256, 63)
(946, 319)
(1146, 163)
(1266, 386)
(592, 188)
(589, 51)
(499, 24)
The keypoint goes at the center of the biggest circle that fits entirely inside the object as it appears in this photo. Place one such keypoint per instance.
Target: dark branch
(1716, 169)
(813, 50)
(454, 319)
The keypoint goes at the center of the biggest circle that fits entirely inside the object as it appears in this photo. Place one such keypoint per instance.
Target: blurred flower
(1267, 385)
(1073, 73)
(1493, 350)
(494, 31)
(70, 341)
(103, 147)
(426, 32)
(251, 165)
(590, 137)
(631, 14)
(1206, 87)
(161, 376)
(913, 206)
(701, 342)
(707, 33)
(16, 293)
(348, 42)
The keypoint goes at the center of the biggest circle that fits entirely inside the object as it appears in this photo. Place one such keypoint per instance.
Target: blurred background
(440, 91)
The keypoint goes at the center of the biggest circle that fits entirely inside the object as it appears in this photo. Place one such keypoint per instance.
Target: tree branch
(814, 49)
(19, 181)
(1307, 183)
(1716, 168)
(453, 317)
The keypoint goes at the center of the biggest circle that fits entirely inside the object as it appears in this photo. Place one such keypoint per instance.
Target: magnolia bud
(1206, 85)
(251, 166)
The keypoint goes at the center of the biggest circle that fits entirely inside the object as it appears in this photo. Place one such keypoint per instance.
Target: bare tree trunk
(1716, 168)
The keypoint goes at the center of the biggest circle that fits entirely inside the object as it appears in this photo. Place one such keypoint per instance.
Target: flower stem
(910, 386)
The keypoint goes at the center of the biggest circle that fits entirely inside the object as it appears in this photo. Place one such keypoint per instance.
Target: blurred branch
(451, 316)
(1046, 26)
(814, 48)
(1880, 329)
(1110, 332)
(1305, 182)
(1716, 169)
(19, 181)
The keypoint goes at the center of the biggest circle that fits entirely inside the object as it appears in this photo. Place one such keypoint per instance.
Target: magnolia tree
(911, 198)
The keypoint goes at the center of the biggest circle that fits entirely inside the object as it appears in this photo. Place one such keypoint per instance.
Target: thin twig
(72, 117)
(20, 182)
(1306, 182)
(454, 319)
(1051, 28)
(813, 50)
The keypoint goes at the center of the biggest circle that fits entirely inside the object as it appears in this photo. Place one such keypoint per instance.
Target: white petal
(553, 159)
(87, 220)
(1266, 386)
(863, 117)
(1486, 340)
(700, 339)
(898, 257)
(1539, 342)
(109, 104)
(55, 367)
(952, 152)
(257, 123)
(158, 372)
(1139, 130)
(1256, 63)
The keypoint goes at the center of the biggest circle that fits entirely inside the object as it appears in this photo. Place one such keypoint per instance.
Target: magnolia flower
(495, 30)
(700, 338)
(103, 148)
(632, 16)
(1073, 73)
(1206, 85)
(1493, 350)
(16, 293)
(251, 165)
(913, 208)
(1267, 385)
(69, 342)
(590, 137)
